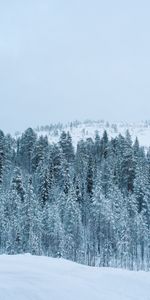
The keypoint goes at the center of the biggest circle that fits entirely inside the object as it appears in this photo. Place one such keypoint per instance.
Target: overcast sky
(64, 60)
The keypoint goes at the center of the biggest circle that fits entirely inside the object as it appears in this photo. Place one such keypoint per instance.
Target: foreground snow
(41, 278)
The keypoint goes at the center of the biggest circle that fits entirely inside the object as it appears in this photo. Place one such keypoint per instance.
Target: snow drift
(29, 277)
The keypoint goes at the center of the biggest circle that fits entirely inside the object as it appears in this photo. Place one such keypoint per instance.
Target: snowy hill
(25, 277)
(83, 130)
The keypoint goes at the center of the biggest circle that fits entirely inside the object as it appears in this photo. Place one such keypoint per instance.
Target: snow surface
(42, 278)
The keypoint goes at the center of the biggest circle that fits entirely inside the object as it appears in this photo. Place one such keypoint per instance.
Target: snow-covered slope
(83, 130)
(26, 277)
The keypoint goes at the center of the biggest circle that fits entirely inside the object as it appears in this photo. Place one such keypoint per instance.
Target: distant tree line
(90, 204)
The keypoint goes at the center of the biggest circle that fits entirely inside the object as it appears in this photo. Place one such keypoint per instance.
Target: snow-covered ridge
(86, 129)
(24, 277)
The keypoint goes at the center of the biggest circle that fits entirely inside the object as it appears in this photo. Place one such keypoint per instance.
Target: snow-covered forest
(90, 204)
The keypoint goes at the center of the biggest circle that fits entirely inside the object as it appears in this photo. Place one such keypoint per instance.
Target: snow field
(26, 277)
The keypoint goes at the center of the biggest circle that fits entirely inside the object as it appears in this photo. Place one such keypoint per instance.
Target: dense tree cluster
(91, 204)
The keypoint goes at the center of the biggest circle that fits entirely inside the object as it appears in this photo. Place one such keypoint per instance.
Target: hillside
(25, 277)
(83, 130)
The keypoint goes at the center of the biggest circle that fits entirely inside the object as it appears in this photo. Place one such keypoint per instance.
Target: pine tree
(66, 146)
(2, 155)
(53, 234)
(26, 145)
(72, 226)
(32, 222)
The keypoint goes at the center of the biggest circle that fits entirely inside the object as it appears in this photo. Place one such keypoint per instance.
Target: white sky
(65, 60)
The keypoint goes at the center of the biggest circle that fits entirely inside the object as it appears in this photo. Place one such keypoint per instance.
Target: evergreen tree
(72, 227)
(2, 155)
(66, 146)
(25, 148)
